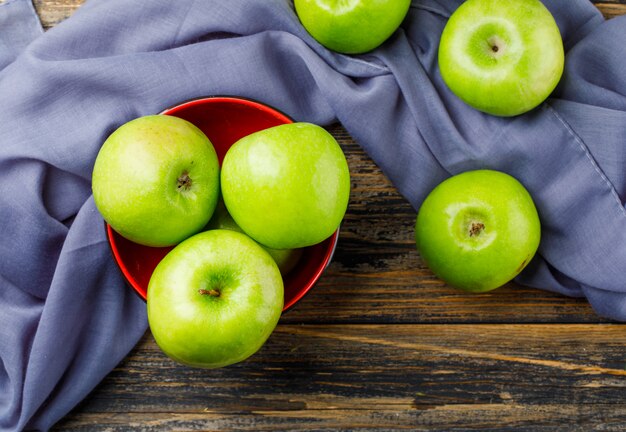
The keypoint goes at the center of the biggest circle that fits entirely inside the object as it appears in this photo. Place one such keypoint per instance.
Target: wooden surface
(382, 344)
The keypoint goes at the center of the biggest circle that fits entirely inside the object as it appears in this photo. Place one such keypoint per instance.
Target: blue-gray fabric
(66, 316)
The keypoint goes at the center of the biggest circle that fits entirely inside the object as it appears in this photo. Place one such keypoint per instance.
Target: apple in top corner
(156, 180)
(214, 299)
(478, 230)
(501, 57)
(288, 186)
(351, 26)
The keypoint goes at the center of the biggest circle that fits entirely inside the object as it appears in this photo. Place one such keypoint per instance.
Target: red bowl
(224, 120)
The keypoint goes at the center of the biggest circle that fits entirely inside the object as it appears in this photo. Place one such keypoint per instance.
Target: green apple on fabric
(214, 299)
(156, 180)
(287, 186)
(501, 57)
(351, 26)
(478, 230)
(286, 259)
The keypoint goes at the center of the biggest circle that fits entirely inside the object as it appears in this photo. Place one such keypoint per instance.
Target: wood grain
(442, 377)
(380, 343)
(612, 9)
(489, 417)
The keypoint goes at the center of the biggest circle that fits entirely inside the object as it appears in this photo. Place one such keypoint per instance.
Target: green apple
(351, 26)
(214, 299)
(286, 259)
(501, 57)
(156, 180)
(478, 230)
(287, 186)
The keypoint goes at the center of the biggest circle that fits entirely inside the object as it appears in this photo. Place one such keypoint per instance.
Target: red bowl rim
(328, 255)
(238, 99)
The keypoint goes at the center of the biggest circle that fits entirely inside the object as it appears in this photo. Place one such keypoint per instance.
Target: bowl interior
(224, 120)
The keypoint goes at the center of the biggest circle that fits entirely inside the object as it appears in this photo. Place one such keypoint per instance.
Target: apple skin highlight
(478, 230)
(351, 26)
(501, 57)
(287, 186)
(214, 299)
(156, 180)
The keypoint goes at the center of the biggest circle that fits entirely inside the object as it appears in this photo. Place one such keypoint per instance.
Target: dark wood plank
(402, 376)
(493, 417)
(611, 9)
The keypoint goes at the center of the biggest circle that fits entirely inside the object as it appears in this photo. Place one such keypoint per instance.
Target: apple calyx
(496, 46)
(184, 182)
(209, 292)
(476, 228)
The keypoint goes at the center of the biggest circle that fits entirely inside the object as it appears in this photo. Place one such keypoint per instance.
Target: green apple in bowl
(156, 180)
(288, 186)
(214, 299)
(286, 259)
(351, 26)
(478, 230)
(501, 57)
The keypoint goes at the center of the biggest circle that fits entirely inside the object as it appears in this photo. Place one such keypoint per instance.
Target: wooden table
(381, 343)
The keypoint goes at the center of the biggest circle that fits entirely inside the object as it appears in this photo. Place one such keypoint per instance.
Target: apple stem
(496, 46)
(476, 228)
(211, 292)
(184, 181)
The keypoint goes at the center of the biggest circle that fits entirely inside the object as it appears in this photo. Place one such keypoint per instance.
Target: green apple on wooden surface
(286, 259)
(501, 57)
(478, 230)
(156, 180)
(214, 299)
(287, 186)
(351, 26)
